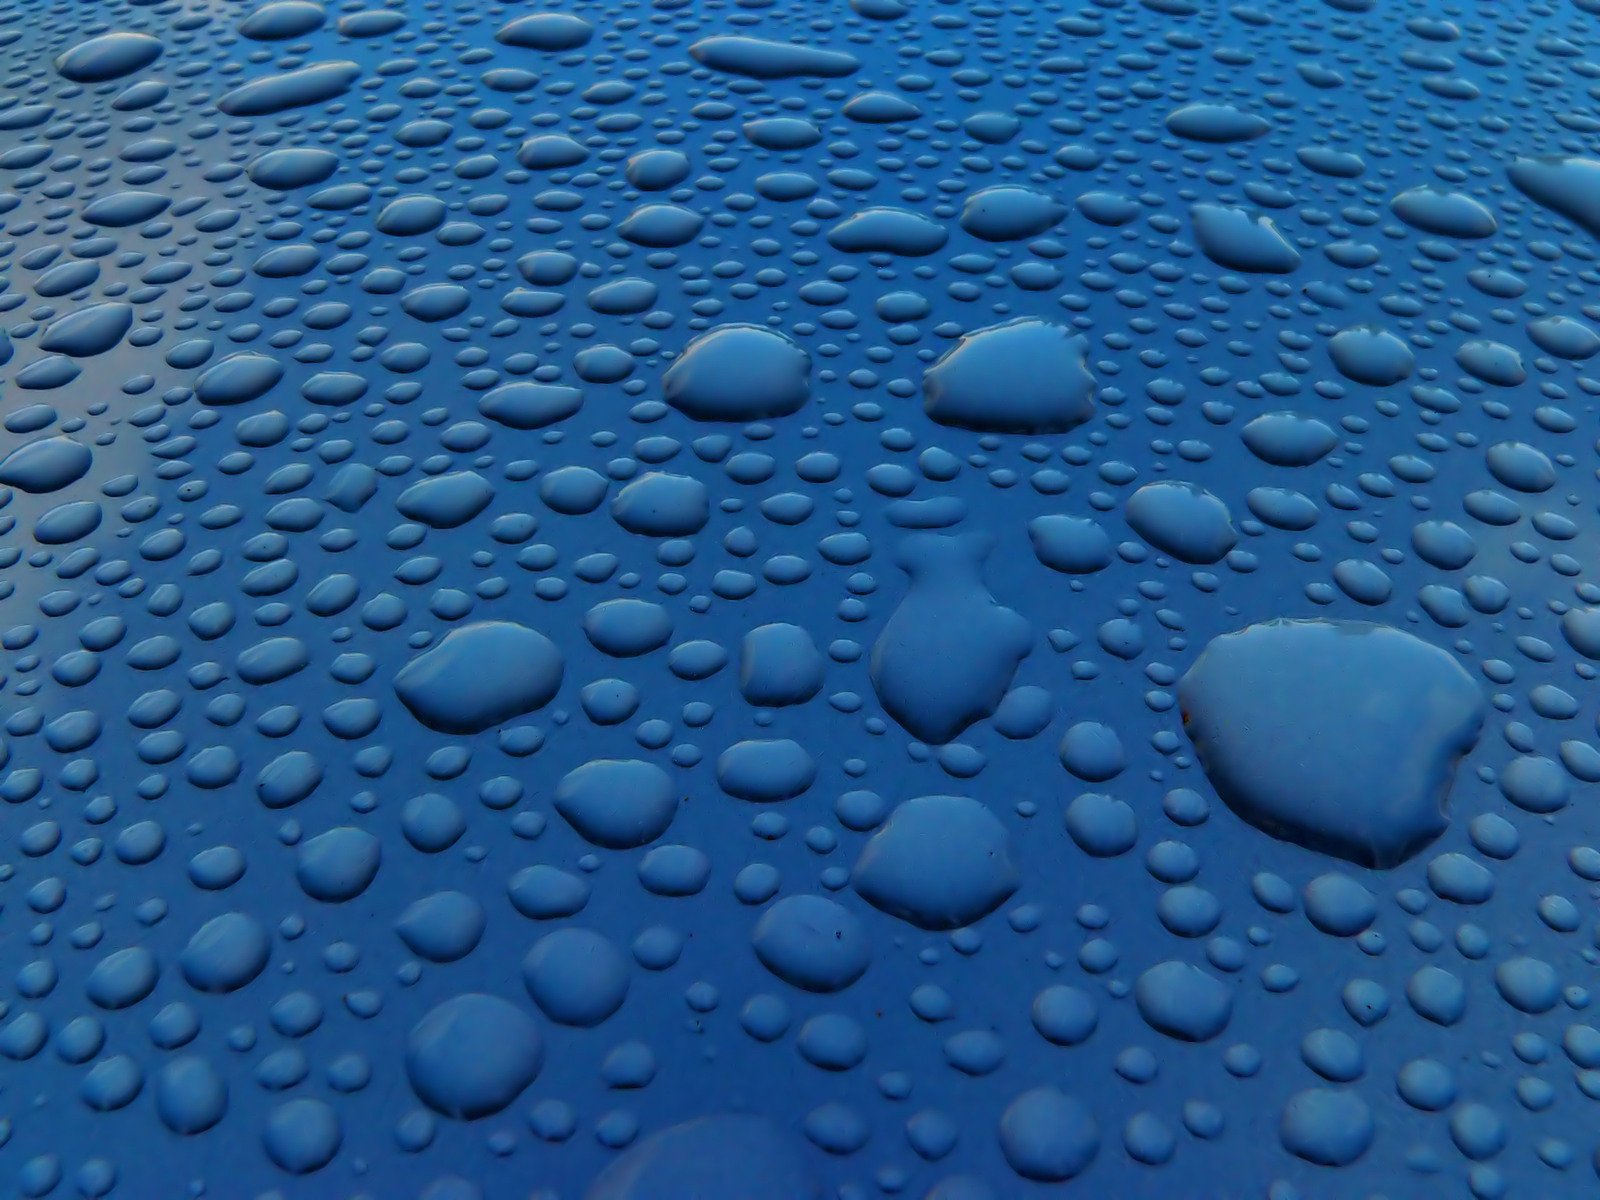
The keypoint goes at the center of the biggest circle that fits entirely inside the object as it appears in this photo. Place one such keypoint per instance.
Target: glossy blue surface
(692, 600)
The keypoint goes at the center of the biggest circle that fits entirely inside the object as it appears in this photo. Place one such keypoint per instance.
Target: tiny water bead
(1023, 571)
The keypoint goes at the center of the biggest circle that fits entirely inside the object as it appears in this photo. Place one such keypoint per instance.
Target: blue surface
(735, 601)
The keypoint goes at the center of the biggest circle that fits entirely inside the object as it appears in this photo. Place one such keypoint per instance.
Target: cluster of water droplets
(701, 598)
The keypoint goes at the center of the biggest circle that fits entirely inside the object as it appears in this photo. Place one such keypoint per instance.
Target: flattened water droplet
(813, 943)
(939, 862)
(109, 56)
(947, 655)
(481, 675)
(1565, 186)
(761, 59)
(269, 94)
(739, 373)
(1340, 736)
(1024, 376)
(473, 1055)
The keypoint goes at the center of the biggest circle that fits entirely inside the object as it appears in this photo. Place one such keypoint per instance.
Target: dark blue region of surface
(734, 601)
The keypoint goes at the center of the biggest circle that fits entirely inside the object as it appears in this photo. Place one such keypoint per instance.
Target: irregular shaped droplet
(473, 1055)
(1327, 1126)
(627, 628)
(1183, 520)
(292, 167)
(739, 373)
(617, 803)
(765, 771)
(191, 1095)
(47, 465)
(1183, 1001)
(761, 59)
(939, 862)
(947, 654)
(1565, 337)
(88, 331)
(443, 927)
(238, 379)
(109, 56)
(1071, 545)
(1023, 376)
(1450, 214)
(338, 865)
(1339, 736)
(547, 31)
(888, 231)
(1371, 355)
(1232, 238)
(481, 675)
(661, 226)
(1288, 439)
(813, 943)
(122, 978)
(1216, 123)
(280, 20)
(225, 953)
(1568, 187)
(779, 665)
(661, 504)
(1491, 361)
(302, 1135)
(525, 405)
(269, 94)
(1048, 1136)
(576, 977)
(446, 501)
(1007, 213)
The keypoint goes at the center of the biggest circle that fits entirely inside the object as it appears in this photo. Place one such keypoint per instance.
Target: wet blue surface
(866, 598)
